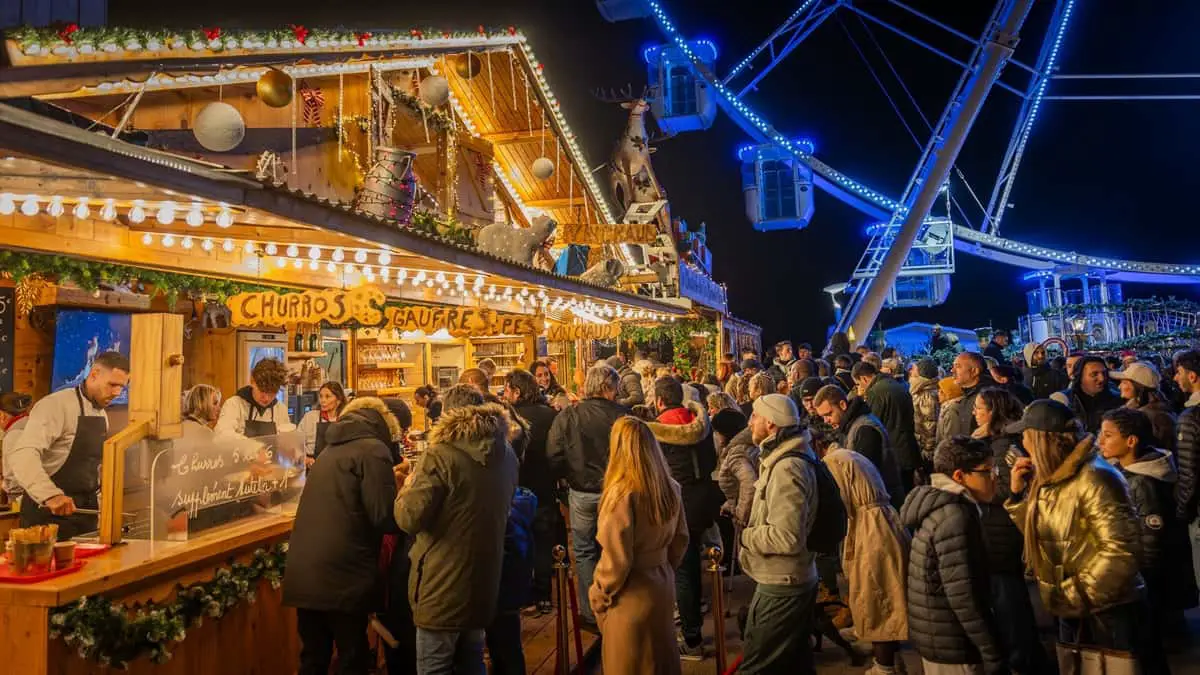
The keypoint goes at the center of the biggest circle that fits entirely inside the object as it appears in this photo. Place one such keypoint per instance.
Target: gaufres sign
(365, 305)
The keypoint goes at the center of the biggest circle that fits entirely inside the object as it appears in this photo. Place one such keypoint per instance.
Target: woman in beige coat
(643, 536)
(874, 557)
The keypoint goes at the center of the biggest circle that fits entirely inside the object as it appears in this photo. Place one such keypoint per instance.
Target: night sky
(1112, 178)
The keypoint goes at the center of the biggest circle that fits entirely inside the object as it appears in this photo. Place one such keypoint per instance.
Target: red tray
(89, 550)
(7, 577)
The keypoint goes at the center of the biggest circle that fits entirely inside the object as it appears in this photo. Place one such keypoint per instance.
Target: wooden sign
(8, 320)
(334, 307)
(592, 234)
(463, 321)
(567, 332)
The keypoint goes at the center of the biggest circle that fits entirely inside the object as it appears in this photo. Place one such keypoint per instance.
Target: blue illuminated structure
(682, 101)
(777, 187)
(881, 207)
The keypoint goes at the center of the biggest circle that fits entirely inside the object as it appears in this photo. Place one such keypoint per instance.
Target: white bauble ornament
(543, 168)
(435, 90)
(219, 127)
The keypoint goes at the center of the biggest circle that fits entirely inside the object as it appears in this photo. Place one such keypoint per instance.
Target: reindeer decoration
(631, 177)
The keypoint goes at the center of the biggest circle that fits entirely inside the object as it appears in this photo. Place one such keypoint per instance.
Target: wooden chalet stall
(369, 208)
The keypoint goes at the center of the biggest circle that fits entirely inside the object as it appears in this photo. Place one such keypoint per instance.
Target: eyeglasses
(993, 472)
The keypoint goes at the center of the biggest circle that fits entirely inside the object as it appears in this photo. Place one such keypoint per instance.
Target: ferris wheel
(910, 254)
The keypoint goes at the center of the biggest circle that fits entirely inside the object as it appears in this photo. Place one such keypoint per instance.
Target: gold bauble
(274, 88)
(467, 65)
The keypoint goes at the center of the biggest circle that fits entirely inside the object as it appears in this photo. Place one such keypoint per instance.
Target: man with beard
(1089, 395)
(971, 375)
(1187, 447)
(784, 358)
(1040, 377)
(864, 433)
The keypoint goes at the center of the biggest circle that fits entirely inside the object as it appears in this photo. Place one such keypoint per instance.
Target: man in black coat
(1090, 395)
(1187, 447)
(996, 347)
(949, 606)
(522, 391)
(859, 430)
(578, 450)
(333, 578)
(892, 404)
(1042, 379)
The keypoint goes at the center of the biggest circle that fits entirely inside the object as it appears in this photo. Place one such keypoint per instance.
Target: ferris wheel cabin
(778, 189)
(682, 101)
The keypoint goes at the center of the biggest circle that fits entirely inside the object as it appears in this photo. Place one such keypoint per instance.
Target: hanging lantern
(274, 88)
(435, 90)
(219, 127)
(543, 168)
(467, 65)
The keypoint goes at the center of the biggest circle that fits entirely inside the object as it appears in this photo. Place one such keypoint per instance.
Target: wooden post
(112, 476)
(156, 377)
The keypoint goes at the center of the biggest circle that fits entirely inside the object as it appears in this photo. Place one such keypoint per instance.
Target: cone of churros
(32, 548)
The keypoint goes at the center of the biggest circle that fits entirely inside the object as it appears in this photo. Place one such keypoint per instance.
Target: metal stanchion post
(562, 656)
(733, 556)
(718, 605)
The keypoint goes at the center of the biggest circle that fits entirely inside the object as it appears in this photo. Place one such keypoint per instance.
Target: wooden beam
(500, 138)
(556, 203)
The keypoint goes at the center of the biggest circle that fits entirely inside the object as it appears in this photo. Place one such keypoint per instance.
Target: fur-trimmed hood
(474, 429)
(364, 417)
(684, 434)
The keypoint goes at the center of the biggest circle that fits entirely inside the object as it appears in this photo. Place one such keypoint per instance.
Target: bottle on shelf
(298, 343)
(314, 339)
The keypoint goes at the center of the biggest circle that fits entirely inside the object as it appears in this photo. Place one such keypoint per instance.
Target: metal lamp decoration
(219, 127)
(274, 88)
(435, 90)
(543, 168)
(467, 65)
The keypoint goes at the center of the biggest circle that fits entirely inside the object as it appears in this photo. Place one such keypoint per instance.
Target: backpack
(829, 527)
(516, 571)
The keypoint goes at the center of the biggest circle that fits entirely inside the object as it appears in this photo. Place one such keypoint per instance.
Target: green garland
(108, 634)
(1151, 342)
(680, 335)
(434, 225)
(90, 274)
(436, 119)
(1137, 305)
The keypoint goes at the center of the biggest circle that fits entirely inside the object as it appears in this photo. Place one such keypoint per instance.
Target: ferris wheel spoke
(793, 23)
(794, 41)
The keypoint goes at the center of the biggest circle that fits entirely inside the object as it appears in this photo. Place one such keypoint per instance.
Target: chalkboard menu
(8, 320)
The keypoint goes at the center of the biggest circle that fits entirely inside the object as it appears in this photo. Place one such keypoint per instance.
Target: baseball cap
(1140, 372)
(751, 363)
(1045, 415)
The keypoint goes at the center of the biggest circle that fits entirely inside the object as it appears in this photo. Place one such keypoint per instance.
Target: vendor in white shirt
(331, 398)
(255, 411)
(56, 458)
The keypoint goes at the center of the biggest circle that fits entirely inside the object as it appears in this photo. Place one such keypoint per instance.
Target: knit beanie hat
(948, 389)
(1027, 352)
(777, 409)
(927, 369)
(728, 422)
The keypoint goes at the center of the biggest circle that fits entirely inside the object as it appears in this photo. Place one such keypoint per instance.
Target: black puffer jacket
(631, 392)
(949, 604)
(1187, 452)
(1000, 533)
(1090, 409)
(1044, 380)
(686, 439)
(535, 466)
(578, 442)
(1166, 562)
(893, 405)
(346, 508)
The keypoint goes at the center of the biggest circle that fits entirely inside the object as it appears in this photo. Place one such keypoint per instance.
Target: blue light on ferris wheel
(681, 101)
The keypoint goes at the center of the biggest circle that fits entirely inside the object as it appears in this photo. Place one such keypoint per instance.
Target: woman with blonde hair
(643, 536)
(1082, 536)
(736, 387)
(760, 384)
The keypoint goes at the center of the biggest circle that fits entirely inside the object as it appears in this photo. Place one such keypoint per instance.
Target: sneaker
(545, 607)
(687, 653)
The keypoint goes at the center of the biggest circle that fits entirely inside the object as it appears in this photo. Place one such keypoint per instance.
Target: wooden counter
(257, 638)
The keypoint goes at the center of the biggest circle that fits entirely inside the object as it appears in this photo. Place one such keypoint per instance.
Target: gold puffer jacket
(1088, 536)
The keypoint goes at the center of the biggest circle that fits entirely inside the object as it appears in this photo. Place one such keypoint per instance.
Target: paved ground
(833, 661)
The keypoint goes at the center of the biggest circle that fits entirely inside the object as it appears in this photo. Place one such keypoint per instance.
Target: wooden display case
(507, 351)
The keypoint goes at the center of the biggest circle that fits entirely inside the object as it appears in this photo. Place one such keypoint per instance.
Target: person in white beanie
(775, 543)
(1139, 385)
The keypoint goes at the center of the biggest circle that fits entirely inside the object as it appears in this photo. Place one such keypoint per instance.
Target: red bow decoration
(541, 67)
(416, 33)
(512, 30)
(481, 30)
(446, 34)
(66, 31)
(362, 38)
(300, 32)
(212, 33)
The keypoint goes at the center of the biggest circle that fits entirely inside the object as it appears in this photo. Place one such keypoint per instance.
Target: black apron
(259, 428)
(322, 427)
(78, 478)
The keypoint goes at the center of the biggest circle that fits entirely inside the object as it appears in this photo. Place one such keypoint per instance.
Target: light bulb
(224, 218)
(440, 277)
(147, 239)
(368, 271)
(314, 253)
(293, 250)
(385, 273)
(271, 249)
(429, 283)
(166, 213)
(55, 207)
(439, 291)
(331, 267)
(360, 256)
(195, 216)
(227, 246)
(81, 209)
(459, 280)
(30, 206)
(492, 289)
(297, 263)
(338, 255)
(313, 265)
(280, 262)
(137, 214)
(401, 276)
(385, 258)
(187, 243)
(478, 281)
(168, 240)
(348, 269)
(207, 244)
(248, 247)
(109, 210)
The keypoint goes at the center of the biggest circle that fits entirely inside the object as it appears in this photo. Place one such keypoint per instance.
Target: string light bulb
(166, 213)
(224, 217)
(227, 246)
(109, 210)
(147, 239)
(195, 217)
(280, 262)
(55, 207)
(331, 267)
(271, 249)
(7, 204)
(186, 243)
(401, 276)
(338, 255)
(82, 210)
(293, 251)
(297, 263)
(137, 214)
(313, 265)
(207, 244)
(29, 207)
(360, 256)
(248, 247)
(168, 240)
(385, 258)
(314, 253)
